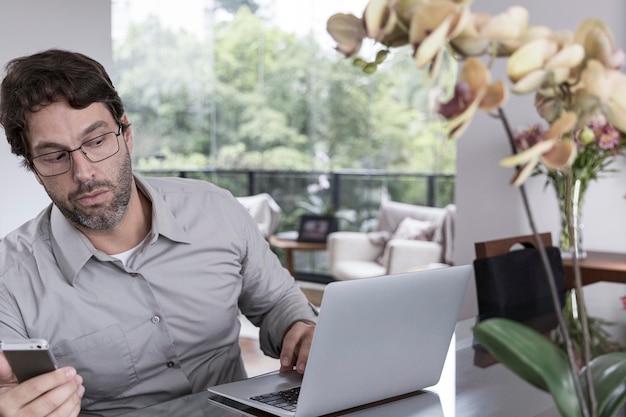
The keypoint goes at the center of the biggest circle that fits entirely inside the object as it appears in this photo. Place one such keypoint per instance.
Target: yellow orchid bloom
(543, 62)
(469, 42)
(597, 39)
(608, 86)
(348, 31)
(432, 25)
(530, 57)
(498, 35)
(475, 91)
(555, 153)
(506, 30)
(387, 21)
(376, 18)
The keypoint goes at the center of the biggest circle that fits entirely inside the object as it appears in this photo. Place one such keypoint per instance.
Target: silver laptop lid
(381, 337)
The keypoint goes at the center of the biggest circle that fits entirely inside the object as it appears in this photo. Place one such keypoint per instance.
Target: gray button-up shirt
(165, 324)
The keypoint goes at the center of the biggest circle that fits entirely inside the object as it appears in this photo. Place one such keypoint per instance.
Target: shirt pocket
(104, 361)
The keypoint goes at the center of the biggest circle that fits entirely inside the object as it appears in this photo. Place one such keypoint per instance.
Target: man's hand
(296, 346)
(56, 393)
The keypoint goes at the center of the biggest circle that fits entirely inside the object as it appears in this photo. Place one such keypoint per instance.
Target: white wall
(30, 26)
(488, 208)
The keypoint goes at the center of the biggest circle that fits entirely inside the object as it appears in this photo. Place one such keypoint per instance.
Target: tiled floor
(255, 361)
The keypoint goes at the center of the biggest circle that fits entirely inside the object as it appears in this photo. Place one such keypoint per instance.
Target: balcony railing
(357, 191)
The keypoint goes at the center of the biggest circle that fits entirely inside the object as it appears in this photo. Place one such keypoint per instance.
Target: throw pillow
(409, 229)
(413, 229)
(379, 238)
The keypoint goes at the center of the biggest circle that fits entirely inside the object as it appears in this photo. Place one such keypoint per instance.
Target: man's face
(93, 196)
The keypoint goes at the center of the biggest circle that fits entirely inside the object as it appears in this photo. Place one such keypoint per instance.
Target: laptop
(376, 338)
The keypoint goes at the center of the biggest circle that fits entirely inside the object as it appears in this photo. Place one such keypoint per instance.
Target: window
(258, 85)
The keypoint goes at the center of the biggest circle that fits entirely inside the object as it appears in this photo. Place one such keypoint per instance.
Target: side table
(596, 267)
(291, 245)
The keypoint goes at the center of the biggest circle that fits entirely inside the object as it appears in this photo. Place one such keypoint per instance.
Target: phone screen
(28, 358)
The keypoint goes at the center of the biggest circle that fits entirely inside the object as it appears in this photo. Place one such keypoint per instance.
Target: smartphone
(28, 357)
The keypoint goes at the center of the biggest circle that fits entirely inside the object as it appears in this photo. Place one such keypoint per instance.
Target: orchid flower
(576, 81)
(599, 44)
(501, 34)
(608, 86)
(432, 25)
(542, 62)
(473, 91)
(553, 151)
(348, 31)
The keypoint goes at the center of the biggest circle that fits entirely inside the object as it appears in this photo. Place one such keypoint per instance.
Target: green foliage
(600, 340)
(543, 364)
(270, 101)
(234, 5)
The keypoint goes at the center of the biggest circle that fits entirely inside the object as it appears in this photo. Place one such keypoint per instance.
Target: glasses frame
(80, 148)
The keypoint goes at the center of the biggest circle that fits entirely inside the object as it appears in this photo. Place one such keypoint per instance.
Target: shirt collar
(72, 249)
(163, 220)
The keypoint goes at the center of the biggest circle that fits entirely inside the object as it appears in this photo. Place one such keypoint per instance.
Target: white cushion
(345, 270)
(264, 210)
(409, 229)
(414, 229)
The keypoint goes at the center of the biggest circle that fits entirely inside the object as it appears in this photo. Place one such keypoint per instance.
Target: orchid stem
(551, 280)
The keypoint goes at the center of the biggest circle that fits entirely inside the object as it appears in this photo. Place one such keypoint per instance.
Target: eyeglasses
(95, 150)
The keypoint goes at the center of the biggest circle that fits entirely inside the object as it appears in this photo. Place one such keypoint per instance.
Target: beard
(102, 217)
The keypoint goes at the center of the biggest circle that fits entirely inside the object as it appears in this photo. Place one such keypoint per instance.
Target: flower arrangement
(597, 143)
(579, 92)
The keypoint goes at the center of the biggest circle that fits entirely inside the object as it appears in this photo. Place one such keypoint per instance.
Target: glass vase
(566, 242)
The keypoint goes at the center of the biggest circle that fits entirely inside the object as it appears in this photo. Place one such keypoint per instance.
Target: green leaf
(609, 381)
(533, 358)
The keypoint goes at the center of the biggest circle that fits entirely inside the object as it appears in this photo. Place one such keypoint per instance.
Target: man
(136, 282)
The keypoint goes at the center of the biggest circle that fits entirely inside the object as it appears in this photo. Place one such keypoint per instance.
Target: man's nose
(82, 167)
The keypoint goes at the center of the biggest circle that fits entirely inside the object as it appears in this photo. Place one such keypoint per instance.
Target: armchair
(264, 210)
(390, 249)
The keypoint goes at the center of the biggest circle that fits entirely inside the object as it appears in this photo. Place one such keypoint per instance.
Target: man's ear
(128, 133)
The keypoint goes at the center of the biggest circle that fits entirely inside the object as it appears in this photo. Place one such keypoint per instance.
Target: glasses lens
(101, 148)
(96, 150)
(54, 163)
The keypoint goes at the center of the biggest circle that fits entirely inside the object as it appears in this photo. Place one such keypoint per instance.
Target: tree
(279, 99)
(233, 6)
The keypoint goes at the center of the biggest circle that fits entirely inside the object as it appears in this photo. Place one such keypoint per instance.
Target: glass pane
(252, 96)
(258, 85)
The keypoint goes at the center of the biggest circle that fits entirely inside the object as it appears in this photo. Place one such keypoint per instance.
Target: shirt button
(155, 319)
(133, 274)
(170, 364)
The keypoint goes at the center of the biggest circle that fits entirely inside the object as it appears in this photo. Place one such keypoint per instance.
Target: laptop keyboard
(286, 399)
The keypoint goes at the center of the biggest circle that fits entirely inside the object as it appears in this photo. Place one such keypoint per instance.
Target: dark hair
(35, 81)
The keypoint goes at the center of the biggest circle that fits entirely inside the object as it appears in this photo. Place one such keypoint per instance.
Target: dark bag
(515, 286)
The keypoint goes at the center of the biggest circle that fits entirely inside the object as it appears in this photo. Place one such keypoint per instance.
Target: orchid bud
(359, 62)
(381, 56)
(370, 68)
(586, 135)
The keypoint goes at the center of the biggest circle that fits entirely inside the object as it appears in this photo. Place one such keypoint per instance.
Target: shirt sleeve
(270, 298)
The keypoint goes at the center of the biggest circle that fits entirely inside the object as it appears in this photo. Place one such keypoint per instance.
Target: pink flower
(527, 137)
(607, 137)
(461, 100)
